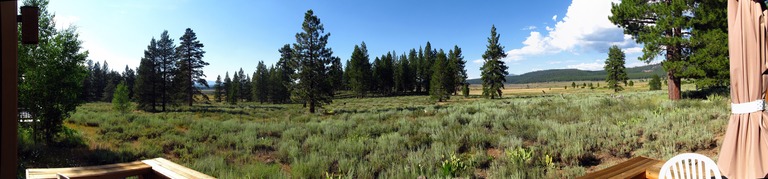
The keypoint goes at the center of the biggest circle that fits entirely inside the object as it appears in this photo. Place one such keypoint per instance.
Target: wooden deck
(151, 168)
(634, 168)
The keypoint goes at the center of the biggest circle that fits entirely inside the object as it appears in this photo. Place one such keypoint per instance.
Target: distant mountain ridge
(577, 75)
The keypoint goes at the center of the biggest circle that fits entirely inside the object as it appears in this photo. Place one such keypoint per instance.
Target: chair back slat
(690, 166)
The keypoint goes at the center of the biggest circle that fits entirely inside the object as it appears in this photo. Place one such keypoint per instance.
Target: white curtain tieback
(749, 107)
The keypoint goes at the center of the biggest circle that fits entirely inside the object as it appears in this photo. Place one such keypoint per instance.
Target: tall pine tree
(360, 71)
(260, 83)
(166, 63)
(190, 66)
(663, 27)
(441, 82)
(148, 80)
(314, 59)
(458, 65)
(494, 70)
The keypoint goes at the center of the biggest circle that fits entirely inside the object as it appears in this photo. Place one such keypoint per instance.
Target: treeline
(166, 76)
(100, 82)
(428, 71)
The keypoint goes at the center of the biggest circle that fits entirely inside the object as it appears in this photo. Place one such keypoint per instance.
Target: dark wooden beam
(8, 93)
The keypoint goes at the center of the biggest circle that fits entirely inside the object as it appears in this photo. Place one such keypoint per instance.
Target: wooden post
(8, 93)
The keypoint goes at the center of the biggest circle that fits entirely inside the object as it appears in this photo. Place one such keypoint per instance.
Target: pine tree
(336, 74)
(277, 92)
(709, 44)
(493, 71)
(411, 78)
(387, 74)
(120, 100)
(314, 59)
(228, 91)
(234, 89)
(402, 74)
(218, 89)
(260, 83)
(166, 63)
(614, 67)
(360, 71)
(286, 68)
(418, 62)
(426, 65)
(441, 81)
(148, 80)
(655, 83)
(190, 66)
(247, 88)
(573, 84)
(376, 69)
(663, 28)
(129, 76)
(458, 64)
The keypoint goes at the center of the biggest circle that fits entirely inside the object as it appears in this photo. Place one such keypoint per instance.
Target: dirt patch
(267, 157)
(493, 152)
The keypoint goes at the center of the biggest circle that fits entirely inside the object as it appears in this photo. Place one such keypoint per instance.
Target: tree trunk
(191, 82)
(673, 86)
(311, 107)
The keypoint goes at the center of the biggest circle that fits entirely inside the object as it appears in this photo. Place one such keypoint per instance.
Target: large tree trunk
(311, 107)
(673, 86)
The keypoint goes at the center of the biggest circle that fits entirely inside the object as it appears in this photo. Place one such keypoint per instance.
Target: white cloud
(588, 66)
(65, 21)
(633, 50)
(529, 28)
(585, 27)
(554, 18)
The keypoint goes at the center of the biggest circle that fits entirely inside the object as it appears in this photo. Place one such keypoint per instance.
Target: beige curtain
(744, 153)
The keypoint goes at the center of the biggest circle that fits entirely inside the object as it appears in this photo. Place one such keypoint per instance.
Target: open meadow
(523, 135)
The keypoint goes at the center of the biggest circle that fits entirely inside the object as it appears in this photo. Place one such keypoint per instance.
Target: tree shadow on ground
(706, 92)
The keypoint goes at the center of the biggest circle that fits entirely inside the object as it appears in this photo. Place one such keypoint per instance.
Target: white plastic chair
(690, 166)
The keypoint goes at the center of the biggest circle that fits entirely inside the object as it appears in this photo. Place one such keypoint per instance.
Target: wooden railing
(151, 168)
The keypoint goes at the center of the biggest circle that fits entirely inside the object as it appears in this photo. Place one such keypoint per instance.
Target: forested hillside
(577, 75)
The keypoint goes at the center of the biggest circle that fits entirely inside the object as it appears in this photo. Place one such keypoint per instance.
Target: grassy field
(560, 133)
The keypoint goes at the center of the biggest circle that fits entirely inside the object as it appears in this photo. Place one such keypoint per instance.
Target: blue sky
(538, 35)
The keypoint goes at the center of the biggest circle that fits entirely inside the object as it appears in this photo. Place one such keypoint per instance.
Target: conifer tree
(336, 74)
(148, 80)
(314, 59)
(218, 89)
(360, 71)
(615, 70)
(260, 83)
(129, 76)
(459, 72)
(663, 27)
(441, 81)
(166, 63)
(494, 71)
(190, 66)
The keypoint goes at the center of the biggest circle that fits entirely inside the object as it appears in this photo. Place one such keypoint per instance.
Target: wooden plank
(631, 168)
(639, 171)
(653, 172)
(169, 169)
(120, 170)
(629, 171)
